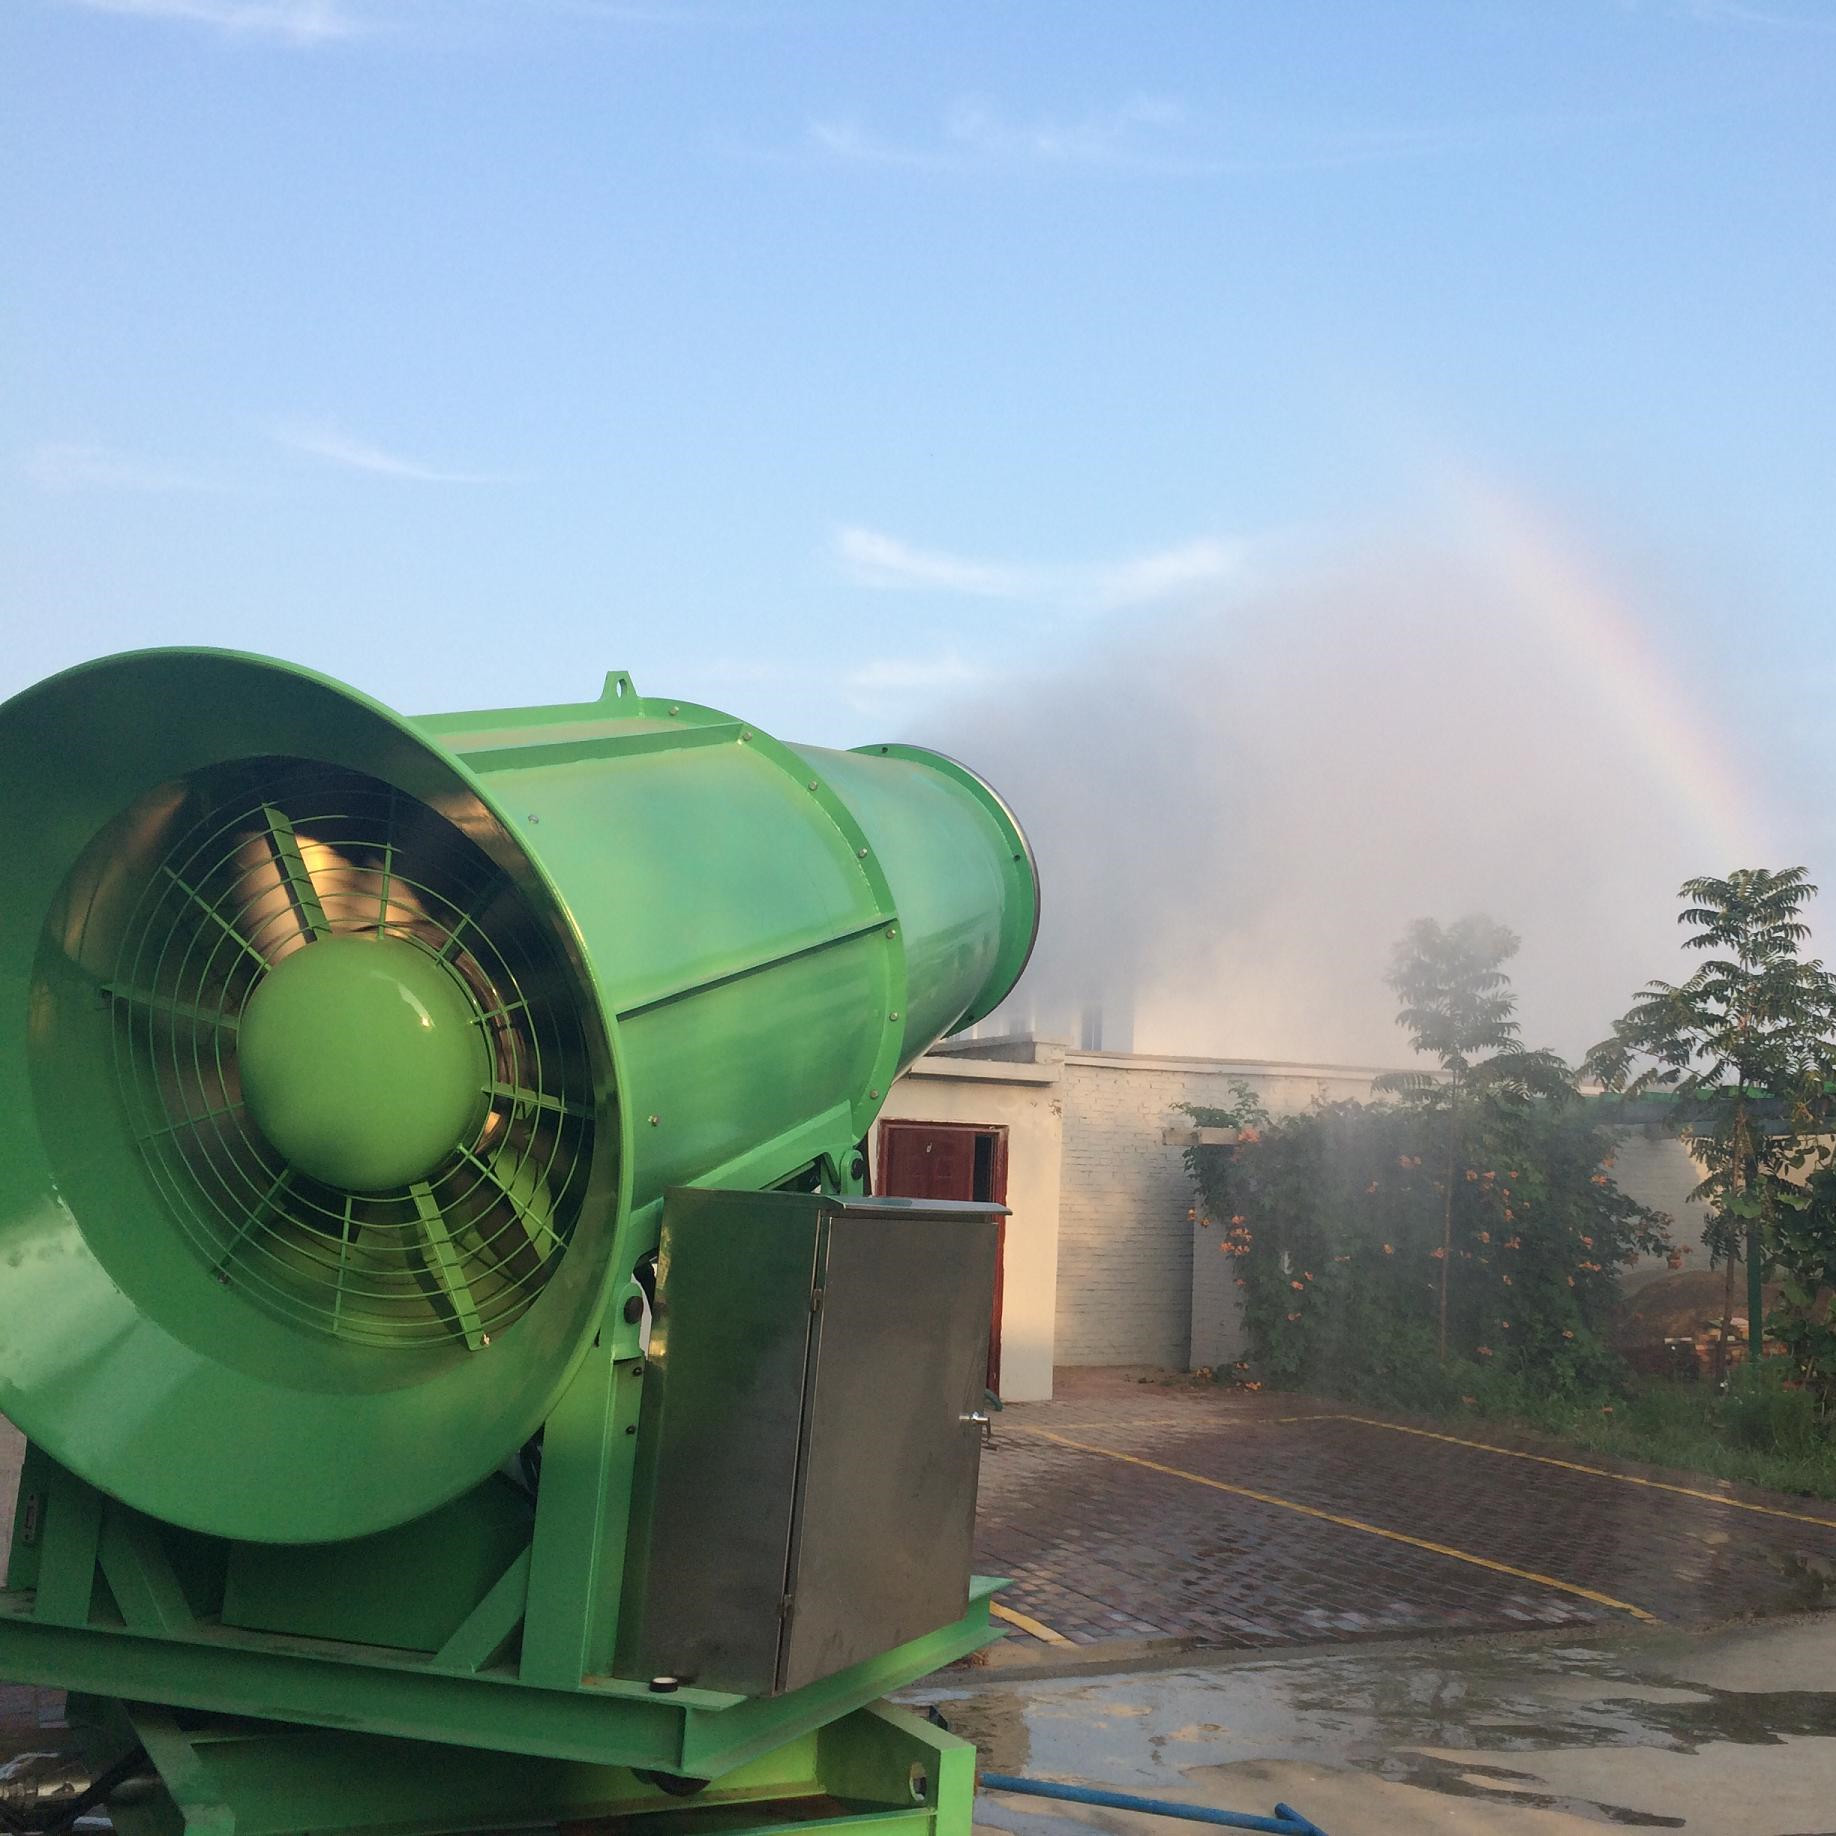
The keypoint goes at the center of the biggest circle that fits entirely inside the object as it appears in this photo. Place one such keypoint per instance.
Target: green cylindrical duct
(347, 1057)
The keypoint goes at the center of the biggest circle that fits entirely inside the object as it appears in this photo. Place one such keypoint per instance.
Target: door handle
(975, 1417)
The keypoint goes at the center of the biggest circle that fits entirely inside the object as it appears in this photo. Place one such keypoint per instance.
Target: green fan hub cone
(363, 1062)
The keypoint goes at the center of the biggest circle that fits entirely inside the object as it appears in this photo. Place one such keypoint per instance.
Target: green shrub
(1804, 1245)
(1333, 1220)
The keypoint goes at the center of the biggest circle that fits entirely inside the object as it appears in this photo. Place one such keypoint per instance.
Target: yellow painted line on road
(1027, 1623)
(1195, 1420)
(1358, 1523)
(1576, 1466)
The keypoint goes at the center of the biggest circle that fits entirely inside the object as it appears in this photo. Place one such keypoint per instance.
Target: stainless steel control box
(809, 1443)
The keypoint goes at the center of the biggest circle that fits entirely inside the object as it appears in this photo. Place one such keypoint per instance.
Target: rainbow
(1561, 591)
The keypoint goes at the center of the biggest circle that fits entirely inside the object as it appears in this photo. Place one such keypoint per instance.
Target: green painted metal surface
(362, 1062)
(582, 1521)
(693, 1732)
(878, 1768)
(695, 957)
(412, 1587)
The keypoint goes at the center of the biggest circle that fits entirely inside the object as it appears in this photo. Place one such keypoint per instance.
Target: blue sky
(852, 365)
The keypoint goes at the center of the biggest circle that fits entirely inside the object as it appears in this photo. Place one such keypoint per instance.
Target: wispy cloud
(886, 678)
(874, 559)
(292, 22)
(645, 12)
(878, 560)
(1166, 573)
(1738, 12)
(72, 466)
(308, 23)
(1159, 136)
(886, 687)
(1143, 133)
(325, 440)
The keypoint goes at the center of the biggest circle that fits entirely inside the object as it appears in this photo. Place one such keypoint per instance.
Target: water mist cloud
(1238, 811)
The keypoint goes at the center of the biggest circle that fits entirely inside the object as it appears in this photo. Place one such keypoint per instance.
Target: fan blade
(179, 1123)
(254, 1218)
(344, 1256)
(386, 873)
(536, 1099)
(215, 916)
(292, 863)
(169, 1006)
(527, 1197)
(444, 1264)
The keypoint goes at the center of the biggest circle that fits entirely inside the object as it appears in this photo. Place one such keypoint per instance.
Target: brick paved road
(1101, 1548)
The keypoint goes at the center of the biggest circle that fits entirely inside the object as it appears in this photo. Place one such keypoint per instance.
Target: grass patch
(1759, 1432)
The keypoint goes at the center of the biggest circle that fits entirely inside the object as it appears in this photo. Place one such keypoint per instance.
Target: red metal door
(952, 1160)
(927, 1160)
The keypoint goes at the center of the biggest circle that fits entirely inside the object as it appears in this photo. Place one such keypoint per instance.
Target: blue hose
(1286, 1821)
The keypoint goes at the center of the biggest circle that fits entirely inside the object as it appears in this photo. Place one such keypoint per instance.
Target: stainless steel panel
(718, 1442)
(805, 1494)
(886, 1506)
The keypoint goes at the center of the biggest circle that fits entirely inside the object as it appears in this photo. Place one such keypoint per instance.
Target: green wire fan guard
(345, 1050)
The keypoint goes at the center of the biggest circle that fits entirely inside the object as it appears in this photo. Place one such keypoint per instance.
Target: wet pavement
(1718, 1731)
(1176, 1510)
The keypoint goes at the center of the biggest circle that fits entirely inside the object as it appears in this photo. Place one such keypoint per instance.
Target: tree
(1458, 1007)
(1745, 1044)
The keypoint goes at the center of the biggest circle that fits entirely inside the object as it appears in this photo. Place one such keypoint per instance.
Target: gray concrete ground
(1528, 1735)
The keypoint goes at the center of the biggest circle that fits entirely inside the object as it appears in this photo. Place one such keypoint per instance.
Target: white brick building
(1102, 1264)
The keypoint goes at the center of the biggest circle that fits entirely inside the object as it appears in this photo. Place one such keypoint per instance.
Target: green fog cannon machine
(465, 1384)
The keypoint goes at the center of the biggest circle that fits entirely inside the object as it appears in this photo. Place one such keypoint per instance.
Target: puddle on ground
(1444, 1721)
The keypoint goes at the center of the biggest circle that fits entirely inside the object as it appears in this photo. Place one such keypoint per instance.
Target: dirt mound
(1684, 1305)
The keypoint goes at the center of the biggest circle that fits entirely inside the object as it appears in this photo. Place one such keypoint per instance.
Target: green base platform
(697, 1733)
(879, 1767)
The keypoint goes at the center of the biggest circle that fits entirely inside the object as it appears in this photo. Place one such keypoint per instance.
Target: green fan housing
(353, 1054)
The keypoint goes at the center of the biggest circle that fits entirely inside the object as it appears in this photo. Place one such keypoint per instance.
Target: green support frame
(696, 1733)
(879, 1768)
(513, 1719)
